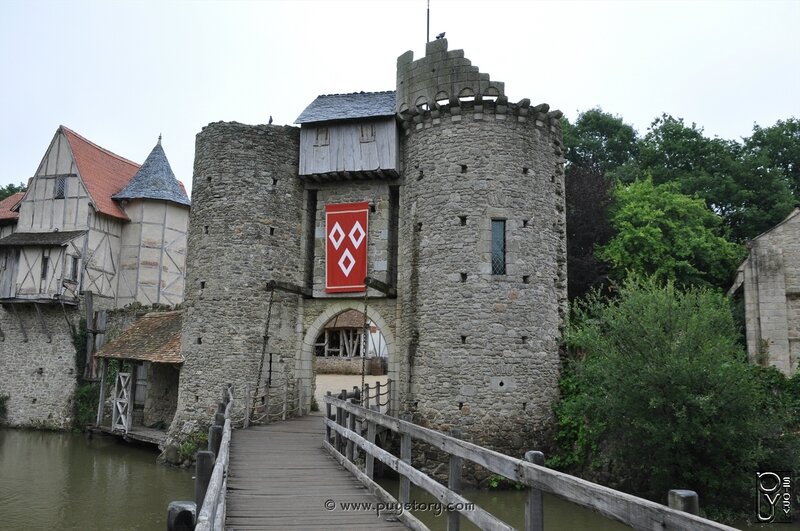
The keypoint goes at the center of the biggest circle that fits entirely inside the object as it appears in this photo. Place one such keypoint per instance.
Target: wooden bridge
(316, 472)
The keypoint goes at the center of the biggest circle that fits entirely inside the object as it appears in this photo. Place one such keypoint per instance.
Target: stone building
(90, 221)
(445, 193)
(770, 280)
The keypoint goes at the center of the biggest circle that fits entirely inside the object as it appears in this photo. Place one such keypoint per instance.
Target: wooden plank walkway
(280, 478)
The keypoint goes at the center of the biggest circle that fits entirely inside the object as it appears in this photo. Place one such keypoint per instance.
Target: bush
(85, 405)
(660, 396)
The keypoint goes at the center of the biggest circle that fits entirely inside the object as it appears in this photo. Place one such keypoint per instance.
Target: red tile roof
(7, 204)
(104, 173)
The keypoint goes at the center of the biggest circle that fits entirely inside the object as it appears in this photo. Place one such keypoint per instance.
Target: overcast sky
(120, 72)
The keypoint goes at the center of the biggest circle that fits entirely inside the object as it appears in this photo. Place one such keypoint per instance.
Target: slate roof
(6, 214)
(21, 239)
(156, 337)
(155, 180)
(351, 106)
(104, 173)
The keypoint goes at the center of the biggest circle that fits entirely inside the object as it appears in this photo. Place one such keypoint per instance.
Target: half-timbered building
(90, 222)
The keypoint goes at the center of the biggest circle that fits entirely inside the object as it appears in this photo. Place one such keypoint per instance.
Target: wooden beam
(21, 324)
(383, 287)
(288, 287)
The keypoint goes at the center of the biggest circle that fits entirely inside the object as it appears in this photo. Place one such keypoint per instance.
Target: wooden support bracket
(383, 287)
(45, 331)
(278, 285)
(21, 324)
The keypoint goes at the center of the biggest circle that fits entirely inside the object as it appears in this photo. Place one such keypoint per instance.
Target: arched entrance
(335, 320)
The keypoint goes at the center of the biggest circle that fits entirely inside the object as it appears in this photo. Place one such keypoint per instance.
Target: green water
(67, 481)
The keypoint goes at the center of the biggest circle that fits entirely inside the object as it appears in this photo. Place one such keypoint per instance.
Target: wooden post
(247, 405)
(298, 391)
(285, 399)
(266, 402)
(405, 455)
(219, 419)
(371, 429)
(87, 369)
(203, 468)
(224, 396)
(684, 500)
(102, 403)
(378, 395)
(454, 484)
(534, 506)
(351, 425)
(214, 439)
(221, 407)
(328, 416)
(340, 422)
(366, 396)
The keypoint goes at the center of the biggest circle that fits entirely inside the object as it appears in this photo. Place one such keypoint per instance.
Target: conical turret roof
(155, 180)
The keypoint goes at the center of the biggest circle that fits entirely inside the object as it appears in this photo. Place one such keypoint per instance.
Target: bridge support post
(369, 468)
(351, 425)
(534, 504)
(454, 484)
(203, 468)
(248, 402)
(328, 416)
(405, 456)
(684, 500)
(214, 439)
(340, 422)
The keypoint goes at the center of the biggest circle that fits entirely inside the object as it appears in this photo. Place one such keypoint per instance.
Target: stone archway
(305, 369)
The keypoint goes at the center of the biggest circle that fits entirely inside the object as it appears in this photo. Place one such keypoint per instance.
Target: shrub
(85, 405)
(661, 396)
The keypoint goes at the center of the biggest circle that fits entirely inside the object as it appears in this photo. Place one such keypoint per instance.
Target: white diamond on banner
(336, 235)
(357, 230)
(350, 262)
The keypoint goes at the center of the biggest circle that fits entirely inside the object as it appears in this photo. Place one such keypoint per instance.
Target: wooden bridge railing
(210, 482)
(630, 510)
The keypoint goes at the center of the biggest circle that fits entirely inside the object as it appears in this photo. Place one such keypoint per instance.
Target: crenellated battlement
(440, 76)
(479, 109)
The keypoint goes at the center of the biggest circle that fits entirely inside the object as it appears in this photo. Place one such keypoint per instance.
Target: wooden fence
(341, 440)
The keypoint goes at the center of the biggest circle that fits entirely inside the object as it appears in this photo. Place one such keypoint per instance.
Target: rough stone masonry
(469, 347)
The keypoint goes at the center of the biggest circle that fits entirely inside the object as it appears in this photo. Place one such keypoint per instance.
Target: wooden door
(122, 410)
(9, 258)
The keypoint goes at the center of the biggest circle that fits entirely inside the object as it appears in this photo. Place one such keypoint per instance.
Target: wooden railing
(342, 440)
(210, 476)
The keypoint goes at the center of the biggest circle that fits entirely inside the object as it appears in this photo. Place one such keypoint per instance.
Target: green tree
(749, 195)
(777, 148)
(668, 235)
(10, 189)
(662, 397)
(599, 141)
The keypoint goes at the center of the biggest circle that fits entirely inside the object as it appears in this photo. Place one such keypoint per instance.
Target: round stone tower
(483, 287)
(244, 229)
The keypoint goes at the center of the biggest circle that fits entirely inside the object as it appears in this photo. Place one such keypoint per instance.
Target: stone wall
(244, 230)
(162, 394)
(38, 374)
(771, 276)
(482, 348)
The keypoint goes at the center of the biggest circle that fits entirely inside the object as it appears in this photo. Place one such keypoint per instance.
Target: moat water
(67, 481)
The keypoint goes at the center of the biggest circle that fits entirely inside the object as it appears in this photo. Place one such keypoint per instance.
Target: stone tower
(483, 286)
(463, 194)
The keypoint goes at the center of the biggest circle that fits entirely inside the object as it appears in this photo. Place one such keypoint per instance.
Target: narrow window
(45, 264)
(74, 270)
(61, 185)
(498, 247)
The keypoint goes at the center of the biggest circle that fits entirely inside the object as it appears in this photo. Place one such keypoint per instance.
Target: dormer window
(322, 138)
(61, 186)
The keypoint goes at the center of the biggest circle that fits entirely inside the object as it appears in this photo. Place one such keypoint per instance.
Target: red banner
(346, 227)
